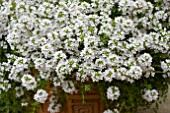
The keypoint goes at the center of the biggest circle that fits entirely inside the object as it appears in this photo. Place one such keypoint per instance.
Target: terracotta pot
(74, 104)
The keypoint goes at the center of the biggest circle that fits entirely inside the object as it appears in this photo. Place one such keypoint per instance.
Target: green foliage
(85, 88)
(115, 12)
(131, 99)
(104, 38)
(88, 1)
(9, 103)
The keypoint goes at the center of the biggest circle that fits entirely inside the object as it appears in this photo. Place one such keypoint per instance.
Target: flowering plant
(121, 46)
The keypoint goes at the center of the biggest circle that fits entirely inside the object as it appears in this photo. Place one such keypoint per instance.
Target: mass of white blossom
(54, 104)
(108, 111)
(111, 111)
(19, 91)
(165, 65)
(68, 87)
(113, 93)
(24, 104)
(150, 95)
(41, 96)
(28, 81)
(65, 40)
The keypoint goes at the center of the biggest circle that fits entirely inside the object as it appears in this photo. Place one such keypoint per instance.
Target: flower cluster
(110, 111)
(63, 41)
(54, 106)
(151, 95)
(165, 65)
(113, 93)
(28, 81)
(41, 96)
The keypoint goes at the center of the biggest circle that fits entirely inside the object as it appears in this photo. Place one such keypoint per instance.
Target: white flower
(135, 72)
(105, 52)
(150, 95)
(113, 93)
(115, 111)
(68, 87)
(41, 96)
(91, 41)
(100, 63)
(71, 45)
(149, 71)
(53, 98)
(24, 104)
(145, 59)
(130, 62)
(108, 111)
(109, 74)
(47, 49)
(29, 82)
(61, 15)
(114, 60)
(45, 75)
(111, 111)
(87, 53)
(81, 75)
(72, 63)
(5, 85)
(67, 31)
(97, 76)
(53, 108)
(88, 65)
(61, 68)
(50, 65)
(59, 55)
(36, 55)
(19, 91)
(165, 65)
(56, 82)
(166, 75)
(39, 63)
(21, 63)
(121, 74)
(125, 24)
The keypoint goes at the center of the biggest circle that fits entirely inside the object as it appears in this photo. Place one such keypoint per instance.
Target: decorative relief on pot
(92, 104)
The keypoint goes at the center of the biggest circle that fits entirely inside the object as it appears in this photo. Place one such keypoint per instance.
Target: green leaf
(88, 87)
(13, 6)
(0, 1)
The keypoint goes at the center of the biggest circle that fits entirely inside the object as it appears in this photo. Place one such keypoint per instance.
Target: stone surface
(164, 107)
